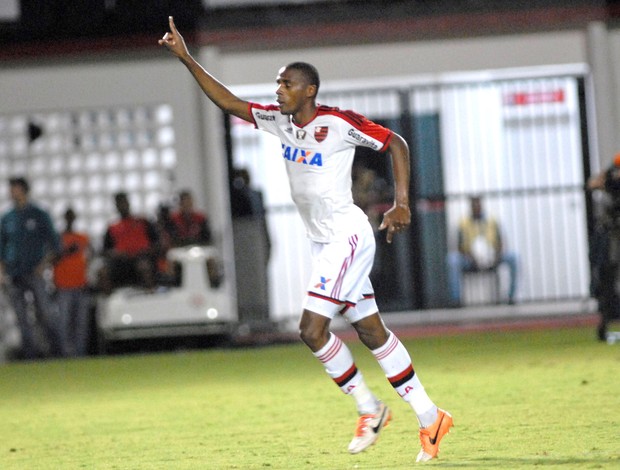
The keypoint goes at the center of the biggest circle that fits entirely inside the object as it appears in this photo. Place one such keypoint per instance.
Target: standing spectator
(247, 202)
(605, 246)
(191, 226)
(28, 243)
(252, 247)
(130, 250)
(70, 279)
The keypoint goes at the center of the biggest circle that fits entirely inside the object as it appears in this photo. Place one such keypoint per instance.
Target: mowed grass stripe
(547, 398)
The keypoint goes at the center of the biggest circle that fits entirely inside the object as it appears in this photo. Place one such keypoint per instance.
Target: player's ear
(311, 91)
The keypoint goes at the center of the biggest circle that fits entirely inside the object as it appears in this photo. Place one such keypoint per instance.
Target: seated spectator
(130, 250)
(191, 226)
(166, 230)
(480, 248)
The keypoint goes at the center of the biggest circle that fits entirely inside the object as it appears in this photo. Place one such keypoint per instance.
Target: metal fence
(520, 142)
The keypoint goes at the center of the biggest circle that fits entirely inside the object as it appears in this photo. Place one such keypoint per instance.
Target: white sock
(366, 401)
(396, 363)
(339, 365)
(422, 405)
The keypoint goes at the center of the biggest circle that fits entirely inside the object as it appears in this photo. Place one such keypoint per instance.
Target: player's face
(293, 90)
(18, 194)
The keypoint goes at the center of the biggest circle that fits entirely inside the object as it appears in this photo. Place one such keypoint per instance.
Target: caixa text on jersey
(306, 157)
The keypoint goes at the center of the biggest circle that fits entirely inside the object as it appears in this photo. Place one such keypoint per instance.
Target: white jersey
(319, 159)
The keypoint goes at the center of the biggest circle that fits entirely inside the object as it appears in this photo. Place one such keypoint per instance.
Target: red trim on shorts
(323, 297)
(347, 306)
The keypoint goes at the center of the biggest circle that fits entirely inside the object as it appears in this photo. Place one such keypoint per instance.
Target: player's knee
(313, 333)
(312, 337)
(372, 334)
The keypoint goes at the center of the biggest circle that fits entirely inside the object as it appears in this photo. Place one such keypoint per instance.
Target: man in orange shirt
(130, 249)
(191, 226)
(70, 278)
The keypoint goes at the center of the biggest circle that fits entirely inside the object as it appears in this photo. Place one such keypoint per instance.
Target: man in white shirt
(318, 145)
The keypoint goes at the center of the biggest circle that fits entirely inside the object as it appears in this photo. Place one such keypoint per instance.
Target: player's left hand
(174, 41)
(396, 220)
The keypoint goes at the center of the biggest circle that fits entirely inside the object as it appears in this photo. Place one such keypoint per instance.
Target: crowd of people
(53, 312)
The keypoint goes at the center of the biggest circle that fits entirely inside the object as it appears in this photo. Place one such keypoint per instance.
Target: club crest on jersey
(305, 157)
(320, 133)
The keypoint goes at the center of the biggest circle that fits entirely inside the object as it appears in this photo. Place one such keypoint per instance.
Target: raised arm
(399, 216)
(215, 91)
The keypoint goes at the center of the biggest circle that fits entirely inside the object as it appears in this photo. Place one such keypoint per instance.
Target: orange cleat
(430, 436)
(368, 428)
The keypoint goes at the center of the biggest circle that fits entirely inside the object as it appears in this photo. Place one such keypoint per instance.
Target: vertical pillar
(214, 169)
(607, 141)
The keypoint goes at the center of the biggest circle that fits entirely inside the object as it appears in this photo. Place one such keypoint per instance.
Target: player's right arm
(215, 91)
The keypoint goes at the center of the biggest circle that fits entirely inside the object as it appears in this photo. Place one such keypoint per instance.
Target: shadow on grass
(528, 462)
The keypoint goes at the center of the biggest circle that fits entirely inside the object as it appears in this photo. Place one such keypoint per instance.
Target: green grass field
(548, 398)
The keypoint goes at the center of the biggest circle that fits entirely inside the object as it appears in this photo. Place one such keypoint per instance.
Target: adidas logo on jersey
(305, 157)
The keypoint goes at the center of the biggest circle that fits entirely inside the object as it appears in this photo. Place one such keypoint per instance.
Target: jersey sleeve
(265, 117)
(366, 133)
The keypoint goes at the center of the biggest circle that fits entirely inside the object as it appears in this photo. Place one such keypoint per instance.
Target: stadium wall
(153, 76)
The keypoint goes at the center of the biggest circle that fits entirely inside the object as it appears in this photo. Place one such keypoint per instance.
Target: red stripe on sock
(346, 375)
(393, 345)
(332, 351)
(396, 378)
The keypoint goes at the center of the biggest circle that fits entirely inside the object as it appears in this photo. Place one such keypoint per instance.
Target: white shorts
(339, 282)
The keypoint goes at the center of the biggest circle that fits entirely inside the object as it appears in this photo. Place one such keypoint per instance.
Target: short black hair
(185, 193)
(20, 181)
(121, 196)
(309, 71)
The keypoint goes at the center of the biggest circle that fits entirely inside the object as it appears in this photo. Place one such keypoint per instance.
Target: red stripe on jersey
(386, 144)
(267, 107)
(363, 124)
(351, 117)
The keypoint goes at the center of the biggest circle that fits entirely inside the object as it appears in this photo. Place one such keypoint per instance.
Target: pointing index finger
(173, 28)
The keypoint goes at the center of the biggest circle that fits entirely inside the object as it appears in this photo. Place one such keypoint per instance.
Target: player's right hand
(174, 41)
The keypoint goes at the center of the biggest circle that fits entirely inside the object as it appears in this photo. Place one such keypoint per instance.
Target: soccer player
(318, 145)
